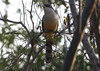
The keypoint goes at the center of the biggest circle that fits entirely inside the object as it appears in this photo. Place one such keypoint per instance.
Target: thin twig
(15, 60)
(64, 30)
(32, 42)
(37, 13)
(23, 12)
(18, 23)
(34, 57)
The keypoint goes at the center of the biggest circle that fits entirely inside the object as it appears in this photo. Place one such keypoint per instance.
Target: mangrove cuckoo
(49, 25)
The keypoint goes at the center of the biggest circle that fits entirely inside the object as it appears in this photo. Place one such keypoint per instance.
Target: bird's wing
(42, 24)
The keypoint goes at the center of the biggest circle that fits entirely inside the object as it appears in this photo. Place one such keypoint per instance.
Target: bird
(49, 26)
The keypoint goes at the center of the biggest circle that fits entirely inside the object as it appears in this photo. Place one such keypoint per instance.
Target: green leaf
(6, 2)
(10, 40)
(66, 9)
(58, 39)
(19, 11)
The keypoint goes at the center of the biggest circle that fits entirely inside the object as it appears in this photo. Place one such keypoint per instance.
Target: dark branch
(64, 30)
(18, 23)
(87, 12)
(34, 57)
(32, 41)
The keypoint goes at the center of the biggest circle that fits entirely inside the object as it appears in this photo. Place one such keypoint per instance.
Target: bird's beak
(44, 6)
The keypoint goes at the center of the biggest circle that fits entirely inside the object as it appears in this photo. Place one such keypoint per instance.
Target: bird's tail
(49, 43)
(48, 51)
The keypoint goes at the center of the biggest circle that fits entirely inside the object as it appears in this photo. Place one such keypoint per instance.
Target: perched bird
(49, 25)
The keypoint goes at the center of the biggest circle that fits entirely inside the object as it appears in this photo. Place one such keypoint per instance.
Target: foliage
(13, 53)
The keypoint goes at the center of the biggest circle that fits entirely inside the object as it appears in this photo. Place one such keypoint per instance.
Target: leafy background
(13, 53)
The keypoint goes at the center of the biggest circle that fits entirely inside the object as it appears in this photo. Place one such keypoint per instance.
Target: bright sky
(16, 4)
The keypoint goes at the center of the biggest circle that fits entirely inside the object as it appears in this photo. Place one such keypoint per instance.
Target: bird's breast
(50, 23)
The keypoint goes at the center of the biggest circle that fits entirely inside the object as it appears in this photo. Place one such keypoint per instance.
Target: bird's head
(48, 8)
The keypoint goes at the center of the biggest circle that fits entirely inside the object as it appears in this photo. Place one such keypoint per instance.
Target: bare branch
(96, 24)
(64, 30)
(23, 12)
(80, 16)
(85, 42)
(18, 56)
(37, 13)
(34, 57)
(32, 41)
(18, 23)
(71, 55)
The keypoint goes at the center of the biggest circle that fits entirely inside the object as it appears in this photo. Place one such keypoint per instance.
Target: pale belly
(51, 25)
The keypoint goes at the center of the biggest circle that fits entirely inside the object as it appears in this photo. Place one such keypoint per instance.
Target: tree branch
(96, 23)
(70, 56)
(63, 30)
(32, 41)
(18, 23)
(34, 57)
(85, 42)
